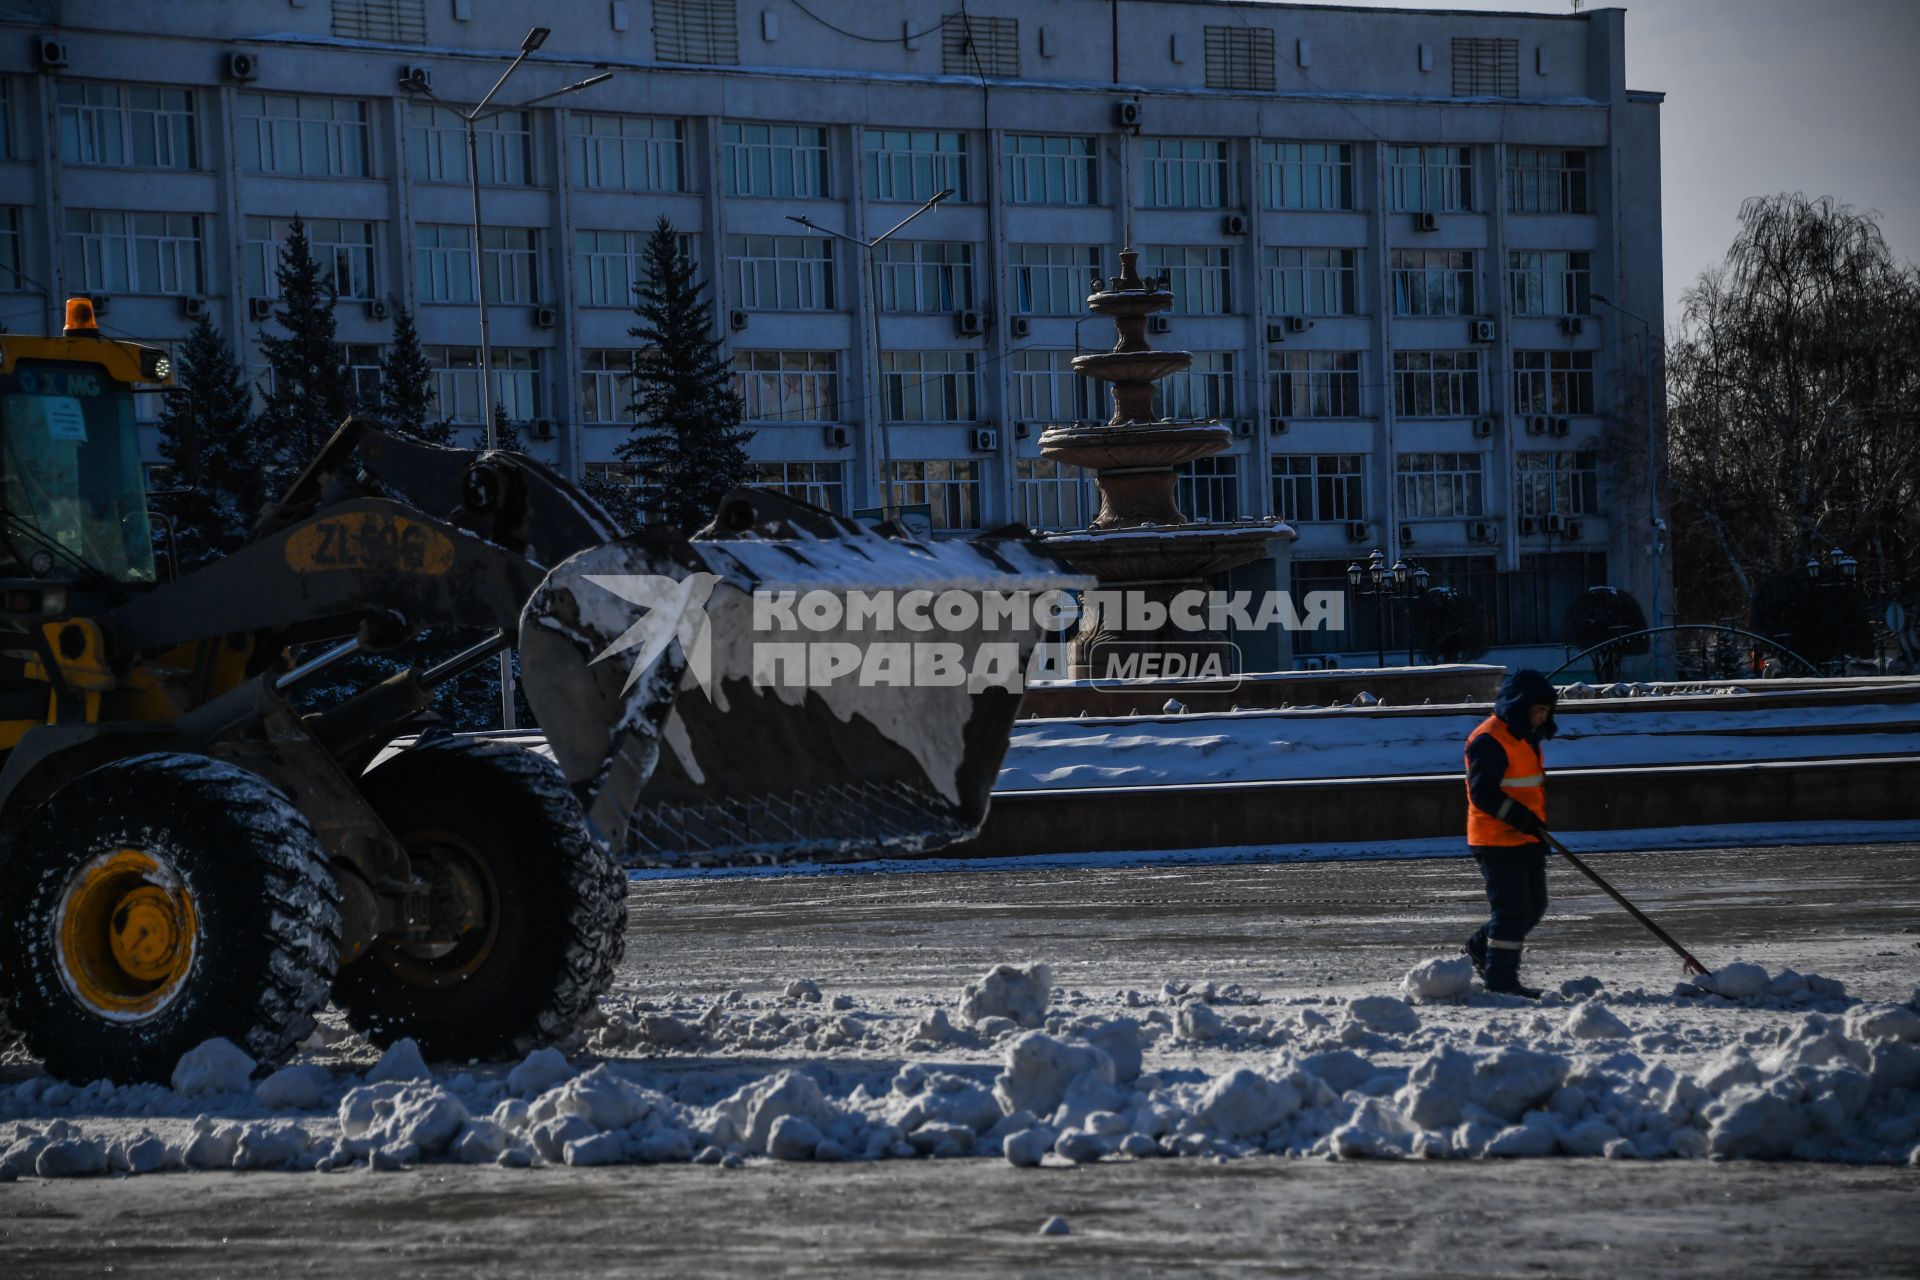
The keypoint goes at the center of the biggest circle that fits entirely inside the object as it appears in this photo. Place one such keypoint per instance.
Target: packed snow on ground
(1751, 1064)
(1258, 746)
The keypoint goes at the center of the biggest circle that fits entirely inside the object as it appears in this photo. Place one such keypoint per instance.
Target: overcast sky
(1820, 96)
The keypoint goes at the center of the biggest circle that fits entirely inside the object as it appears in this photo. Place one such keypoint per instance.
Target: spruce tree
(312, 391)
(687, 439)
(406, 385)
(506, 436)
(206, 432)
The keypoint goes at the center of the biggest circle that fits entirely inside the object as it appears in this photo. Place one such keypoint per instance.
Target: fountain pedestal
(1141, 545)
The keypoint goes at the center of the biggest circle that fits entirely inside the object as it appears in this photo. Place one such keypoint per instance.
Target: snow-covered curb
(1435, 1075)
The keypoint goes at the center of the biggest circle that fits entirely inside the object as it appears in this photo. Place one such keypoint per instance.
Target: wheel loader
(185, 853)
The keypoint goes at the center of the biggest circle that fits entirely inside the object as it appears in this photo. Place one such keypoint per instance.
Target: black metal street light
(1838, 568)
(1401, 582)
(485, 110)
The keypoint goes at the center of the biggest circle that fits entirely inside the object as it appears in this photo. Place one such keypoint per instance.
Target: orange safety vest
(1525, 783)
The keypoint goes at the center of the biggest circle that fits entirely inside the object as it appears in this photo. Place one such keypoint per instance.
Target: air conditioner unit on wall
(1537, 425)
(1234, 224)
(1426, 222)
(1556, 523)
(1126, 114)
(377, 309)
(1528, 524)
(545, 317)
(1276, 426)
(984, 439)
(1483, 427)
(241, 66)
(1356, 531)
(737, 320)
(1561, 426)
(541, 428)
(1482, 531)
(1571, 326)
(49, 53)
(1159, 324)
(837, 437)
(1243, 428)
(1298, 324)
(414, 77)
(968, 324)
(260, 308)
(1480, 330)
(1019, 327)
(193, 308)
(1406, 535)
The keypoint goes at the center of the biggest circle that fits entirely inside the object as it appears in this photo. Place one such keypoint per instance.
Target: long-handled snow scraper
(1694, 967)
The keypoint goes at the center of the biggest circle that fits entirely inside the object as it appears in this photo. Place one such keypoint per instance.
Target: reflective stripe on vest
(1524, 783)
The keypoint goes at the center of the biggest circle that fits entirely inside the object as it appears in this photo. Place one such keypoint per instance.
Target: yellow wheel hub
(126, 934)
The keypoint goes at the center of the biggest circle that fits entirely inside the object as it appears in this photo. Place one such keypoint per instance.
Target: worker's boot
(1503, 970)
(1476, 949)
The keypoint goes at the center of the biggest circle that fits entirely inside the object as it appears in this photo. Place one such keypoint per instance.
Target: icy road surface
(1276, 943)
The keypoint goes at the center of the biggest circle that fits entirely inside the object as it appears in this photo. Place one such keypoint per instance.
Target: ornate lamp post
(1383, 585)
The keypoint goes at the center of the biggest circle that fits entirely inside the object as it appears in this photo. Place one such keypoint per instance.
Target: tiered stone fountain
(1141, 541)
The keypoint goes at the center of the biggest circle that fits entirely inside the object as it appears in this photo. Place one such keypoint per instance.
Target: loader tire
(553, 928)
(158, 902)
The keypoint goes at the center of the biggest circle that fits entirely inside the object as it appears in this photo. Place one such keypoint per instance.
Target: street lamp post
(887, 505)
(1400, 582)
(481, 111)
(1835, 569)
(1654, 527)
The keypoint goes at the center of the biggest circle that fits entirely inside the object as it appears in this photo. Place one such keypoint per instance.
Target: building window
(1240, 58)
(774, 160)
(1306, 175)
(1046, 388)
(1049, 495)
(1436, 384)
(1208, 489)
(927, 276)
(1549, 483)
(1052, 279)
(951, 491)
(1433, 282)
(1314, 384)
(788, 386)
(1316, 488)
(510, 264)
(1204, 391)
(606, 386)
(1552, 382)
(1431, 179)
(780, 273)
(437, 146)
(1312, 282)
(363, 374)
(1186, 173)
(442, 263)
(10, 251)
(113, 252)
(626, 153)
(6, 122)
(344, 249)
(1546, 180)
(456, 382)
(915, 164)
(1440, 486)
(1486, 67)
(821, 483)
(1199, 276)
(388, 21)
(930, 386)
(142, 126)
(1051, 169)
(1550, 283)
(314, 137)
(611, 265)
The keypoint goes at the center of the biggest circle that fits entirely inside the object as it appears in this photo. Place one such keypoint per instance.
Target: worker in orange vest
(1506, 815)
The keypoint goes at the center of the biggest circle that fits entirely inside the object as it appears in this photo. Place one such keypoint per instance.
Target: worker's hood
(1519, 695)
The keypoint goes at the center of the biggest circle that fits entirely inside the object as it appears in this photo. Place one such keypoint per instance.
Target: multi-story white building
(1388, 232)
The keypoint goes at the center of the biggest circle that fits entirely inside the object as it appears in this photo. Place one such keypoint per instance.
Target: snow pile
(1210, 1071)
(1438, 979)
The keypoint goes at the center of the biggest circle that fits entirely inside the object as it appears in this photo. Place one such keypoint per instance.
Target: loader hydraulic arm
(381, 528)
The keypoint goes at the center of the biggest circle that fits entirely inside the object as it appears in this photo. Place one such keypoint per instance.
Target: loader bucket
(787, 683)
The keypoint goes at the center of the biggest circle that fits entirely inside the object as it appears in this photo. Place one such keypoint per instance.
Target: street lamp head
(1813, 567)
(1835, 557)
(1420, 576)
(1848, 567)
(943, 195)
(1400, 573)
(535, 38)
(1355, 574)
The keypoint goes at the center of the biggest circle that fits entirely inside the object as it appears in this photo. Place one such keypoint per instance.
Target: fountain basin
(1133, 366)
(1167, 552)
(1161, 444)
